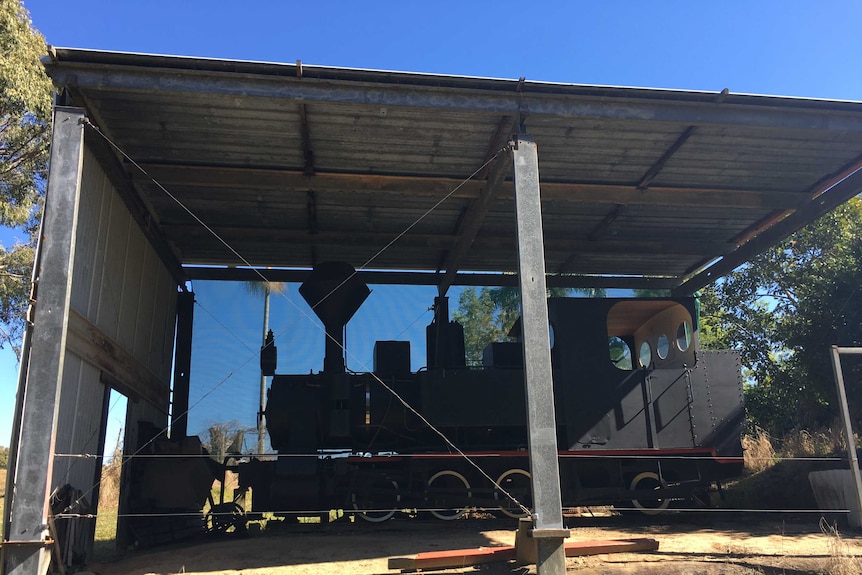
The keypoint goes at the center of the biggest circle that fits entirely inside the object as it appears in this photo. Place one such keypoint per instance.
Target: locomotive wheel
(377, 499)
(516, 482)
(443, 487)
(221, 517)
(648, 480)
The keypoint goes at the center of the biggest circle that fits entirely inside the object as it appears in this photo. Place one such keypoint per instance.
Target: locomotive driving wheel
(515, 482)
(223, 516)
(376, 498)
(649, 506)
(444, 488)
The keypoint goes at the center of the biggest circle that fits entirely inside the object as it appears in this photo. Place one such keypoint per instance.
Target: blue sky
(788, 47)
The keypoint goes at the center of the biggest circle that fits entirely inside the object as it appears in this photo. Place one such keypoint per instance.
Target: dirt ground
(702, 543)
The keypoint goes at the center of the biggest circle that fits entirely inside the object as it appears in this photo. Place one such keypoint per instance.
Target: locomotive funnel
(334, 292)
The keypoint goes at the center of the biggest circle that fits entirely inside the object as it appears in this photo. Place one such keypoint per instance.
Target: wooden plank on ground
(581, 548)
(456, 558)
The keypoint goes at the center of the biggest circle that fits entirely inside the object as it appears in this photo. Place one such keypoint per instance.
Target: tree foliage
(25, 109)
(783, 311)
(487, 314)
(224, 438)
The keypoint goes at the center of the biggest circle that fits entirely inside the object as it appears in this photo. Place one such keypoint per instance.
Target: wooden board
(466, 557)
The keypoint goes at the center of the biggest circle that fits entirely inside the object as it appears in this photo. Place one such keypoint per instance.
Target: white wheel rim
(514, 471)
(648, 510)
(377, 518)
(449, 514)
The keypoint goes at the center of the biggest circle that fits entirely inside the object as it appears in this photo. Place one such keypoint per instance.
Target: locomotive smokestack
(334, 292)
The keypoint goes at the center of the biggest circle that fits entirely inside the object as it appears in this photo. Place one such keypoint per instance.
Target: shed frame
(289, 165)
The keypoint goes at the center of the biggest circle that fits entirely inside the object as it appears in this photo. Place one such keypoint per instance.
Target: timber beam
(185, 180)
(128, 375)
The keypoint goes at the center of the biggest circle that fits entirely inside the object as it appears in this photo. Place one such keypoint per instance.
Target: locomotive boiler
(644, 417)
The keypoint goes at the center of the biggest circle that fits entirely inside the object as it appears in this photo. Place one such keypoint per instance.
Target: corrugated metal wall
(79, 425)
(120, 285)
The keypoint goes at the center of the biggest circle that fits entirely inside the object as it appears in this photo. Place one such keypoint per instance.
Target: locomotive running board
(524, 552)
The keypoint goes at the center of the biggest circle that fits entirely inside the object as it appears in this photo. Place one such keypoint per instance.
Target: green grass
(104, 547)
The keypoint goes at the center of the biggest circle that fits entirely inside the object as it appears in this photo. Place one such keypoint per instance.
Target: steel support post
(855, 518)
(182, 365)
(25, 551)
(541, 423)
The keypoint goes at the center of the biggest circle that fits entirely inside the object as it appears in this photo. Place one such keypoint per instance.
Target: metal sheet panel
(120, 283)
(79, 425)
(130, 275)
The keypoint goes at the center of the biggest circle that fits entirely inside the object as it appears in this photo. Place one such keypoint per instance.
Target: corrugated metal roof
(295, 164)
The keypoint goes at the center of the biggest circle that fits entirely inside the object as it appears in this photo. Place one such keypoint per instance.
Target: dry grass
(820, 443)
(106, 516)
(109, 488)
(778, 468)
(762, 451)
(841, 560)
(758, 451)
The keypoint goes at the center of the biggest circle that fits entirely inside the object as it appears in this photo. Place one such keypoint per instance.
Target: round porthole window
(620, 353)
(662, 346)
(645, 355)
(683, 336)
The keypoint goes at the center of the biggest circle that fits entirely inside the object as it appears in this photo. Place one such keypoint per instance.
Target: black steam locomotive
(644, 417)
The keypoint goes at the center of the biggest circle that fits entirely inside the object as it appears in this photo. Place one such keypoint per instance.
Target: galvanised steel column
(544, 467)
(24, 546)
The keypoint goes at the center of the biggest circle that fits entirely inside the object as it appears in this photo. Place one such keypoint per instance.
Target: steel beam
(307, 150)
(462, 94)
(541, 420)
(29, 499)
(472, 221)
(469, 224)
(826, 197)
(206, 273)
(192, 236)
(656, 168)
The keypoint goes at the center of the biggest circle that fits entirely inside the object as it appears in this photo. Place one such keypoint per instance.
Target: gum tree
(25, 111)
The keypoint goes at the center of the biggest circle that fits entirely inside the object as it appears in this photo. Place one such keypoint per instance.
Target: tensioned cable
(86, 442)
(88, 123)
(159, 434)
(712, 510)
(224, 327)
(565, 455)
(373, 257)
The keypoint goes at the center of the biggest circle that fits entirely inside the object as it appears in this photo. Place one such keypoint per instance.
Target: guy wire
(88, 123)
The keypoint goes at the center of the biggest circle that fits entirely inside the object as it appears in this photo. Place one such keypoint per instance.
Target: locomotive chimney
(334, 292)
